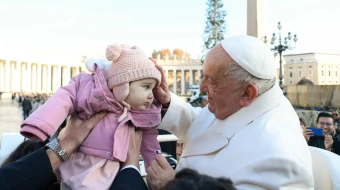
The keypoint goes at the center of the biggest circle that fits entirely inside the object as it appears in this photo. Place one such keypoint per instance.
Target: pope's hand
(162, 93)
(159, 173)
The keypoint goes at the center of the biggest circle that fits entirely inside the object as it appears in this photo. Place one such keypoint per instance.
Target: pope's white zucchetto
(252, 55)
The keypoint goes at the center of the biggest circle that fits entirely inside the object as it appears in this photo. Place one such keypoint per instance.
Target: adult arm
(36, 170)
(159, 173)
(41, 124)
(179, 117)
(179, 114)
(129, 177)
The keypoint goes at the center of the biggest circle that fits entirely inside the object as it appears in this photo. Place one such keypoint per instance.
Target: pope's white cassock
(260, 146)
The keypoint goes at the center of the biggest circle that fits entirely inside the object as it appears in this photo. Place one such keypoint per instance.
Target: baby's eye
(146, 86)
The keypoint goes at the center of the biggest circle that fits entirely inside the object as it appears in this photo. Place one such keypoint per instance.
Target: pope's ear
(249, 93)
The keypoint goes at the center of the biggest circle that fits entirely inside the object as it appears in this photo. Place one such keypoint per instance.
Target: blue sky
(78, 27)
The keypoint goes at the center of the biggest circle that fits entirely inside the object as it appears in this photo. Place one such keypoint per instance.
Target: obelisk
(257, 18)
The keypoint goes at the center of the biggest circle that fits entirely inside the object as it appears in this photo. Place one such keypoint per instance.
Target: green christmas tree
(215, 25)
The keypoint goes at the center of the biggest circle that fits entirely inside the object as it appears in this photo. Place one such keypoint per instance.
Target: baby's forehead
(146, 80)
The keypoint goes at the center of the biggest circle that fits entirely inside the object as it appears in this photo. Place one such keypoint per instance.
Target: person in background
(335, 115)
(13, 97)
(179, 149)
(306, 132)
(26, 106)
(35, 104)
(329, 141)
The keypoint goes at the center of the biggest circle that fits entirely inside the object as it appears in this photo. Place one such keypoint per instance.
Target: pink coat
(86, 95)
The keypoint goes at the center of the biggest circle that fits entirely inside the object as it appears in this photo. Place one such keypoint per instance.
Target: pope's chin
(218, 115)
(211, 108)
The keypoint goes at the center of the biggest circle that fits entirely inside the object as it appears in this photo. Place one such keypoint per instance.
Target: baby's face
(141, 93)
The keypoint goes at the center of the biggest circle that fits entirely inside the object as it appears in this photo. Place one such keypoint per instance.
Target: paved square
(10, 116)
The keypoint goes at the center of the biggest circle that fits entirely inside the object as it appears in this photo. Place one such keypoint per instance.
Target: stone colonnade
(26, 77)
(180, 74)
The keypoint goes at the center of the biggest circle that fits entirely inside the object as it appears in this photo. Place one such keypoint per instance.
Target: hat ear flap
(121, 92)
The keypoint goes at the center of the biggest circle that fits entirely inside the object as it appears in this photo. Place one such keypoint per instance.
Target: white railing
(166, 138)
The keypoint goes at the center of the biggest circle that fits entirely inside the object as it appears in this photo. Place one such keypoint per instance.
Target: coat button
(150, 122)
(101, 98)
(117, 116)
(108, 153)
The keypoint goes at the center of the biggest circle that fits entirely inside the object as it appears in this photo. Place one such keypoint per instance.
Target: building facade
(32, 77)
(320, 68)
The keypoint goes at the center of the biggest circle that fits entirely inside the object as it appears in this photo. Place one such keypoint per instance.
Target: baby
(122, 86)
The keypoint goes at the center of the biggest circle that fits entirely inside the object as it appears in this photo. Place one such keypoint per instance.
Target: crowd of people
(247, 137)
(29, 102)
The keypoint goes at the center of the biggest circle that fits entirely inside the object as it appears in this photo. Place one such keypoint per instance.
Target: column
(34, 78)
(28, 75)
(76, 70)
(23, 71)
(166, 72)
(22, 68)
(58, 84)
(13, 80)
(191, 77)
(257, 18)
(44, 78)
(38, 76)
(182, 81)
(54, 78)
(66, 75)
(49, 78)
(18, 74)
(2, 76)
(8, 75)
(199, 75)
(174, 85)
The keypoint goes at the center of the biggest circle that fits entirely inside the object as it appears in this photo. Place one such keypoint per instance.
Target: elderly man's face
(223, 93)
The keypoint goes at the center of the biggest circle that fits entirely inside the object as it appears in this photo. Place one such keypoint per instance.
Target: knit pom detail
(113, 52)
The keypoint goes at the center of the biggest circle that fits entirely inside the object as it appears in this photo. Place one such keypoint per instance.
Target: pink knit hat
(128, 64)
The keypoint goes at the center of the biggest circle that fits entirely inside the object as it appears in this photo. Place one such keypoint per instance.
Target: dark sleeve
(312, 141)
(127, 179)
(336, 147)
(33, 171)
